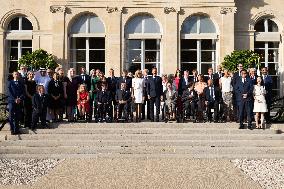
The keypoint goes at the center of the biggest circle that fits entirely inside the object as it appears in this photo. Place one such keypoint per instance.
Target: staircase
(187, 140)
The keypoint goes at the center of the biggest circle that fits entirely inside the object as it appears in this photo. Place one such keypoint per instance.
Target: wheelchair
(123, 112)
(104, 113)
(87, 117)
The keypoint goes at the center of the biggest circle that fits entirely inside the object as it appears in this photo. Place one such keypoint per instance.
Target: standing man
(124, 79)
(184, 82)
(85, 78)
(194, 77)
(253, 76)
(155, 93)
(16, 95)
(235, 79)
(146, 100)
(217, 76)
(267, 80)
(244, 90)
(112, 83)
(210, 75)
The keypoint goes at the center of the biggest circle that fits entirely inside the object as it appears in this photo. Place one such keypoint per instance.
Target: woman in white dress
(137, 93)
(260, 106)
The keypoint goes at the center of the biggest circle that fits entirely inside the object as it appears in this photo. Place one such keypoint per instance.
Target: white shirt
(226, 84)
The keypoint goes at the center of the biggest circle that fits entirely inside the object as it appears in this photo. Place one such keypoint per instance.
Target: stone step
(131, 143)
(146, 137)
(141, 150)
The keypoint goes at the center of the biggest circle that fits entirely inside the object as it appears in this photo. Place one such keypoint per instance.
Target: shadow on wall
(243, 19)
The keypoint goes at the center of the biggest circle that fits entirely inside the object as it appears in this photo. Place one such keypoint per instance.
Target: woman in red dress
(83, 99)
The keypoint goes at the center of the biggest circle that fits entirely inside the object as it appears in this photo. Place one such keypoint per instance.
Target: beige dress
(259, 99)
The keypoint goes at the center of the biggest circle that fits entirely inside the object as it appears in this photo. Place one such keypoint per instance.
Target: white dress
(138, 86)
(259, 99)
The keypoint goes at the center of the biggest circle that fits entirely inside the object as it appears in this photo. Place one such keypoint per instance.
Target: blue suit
(16, 89)
(244, 104)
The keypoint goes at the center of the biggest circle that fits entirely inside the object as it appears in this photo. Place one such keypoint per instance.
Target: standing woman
(30, 86)
(56, 94)
(260, 106)
(177, 82)
(94, 88)
(71, 88)
(137, 93)
(199, 88)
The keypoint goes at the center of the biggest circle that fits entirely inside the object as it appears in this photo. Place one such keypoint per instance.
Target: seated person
(123, 100)
(103, 101)
(169, 98)
(39, 102)
(190, 99)
(83, 100)
(213, 97)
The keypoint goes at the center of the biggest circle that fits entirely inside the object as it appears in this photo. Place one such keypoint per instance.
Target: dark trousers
(15, 116)
(213, 105)
(189, 108)
(39, 115)
(245, 110)
(146, 103)
(267, 114)
(28, 111)
(123, 110)
(104, 110)
(155, 101)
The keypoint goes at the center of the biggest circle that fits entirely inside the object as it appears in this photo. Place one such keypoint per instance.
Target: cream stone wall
(52, 20)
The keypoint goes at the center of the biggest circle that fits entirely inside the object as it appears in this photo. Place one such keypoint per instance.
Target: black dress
(71, 90)
(28, 107)
(55, 88)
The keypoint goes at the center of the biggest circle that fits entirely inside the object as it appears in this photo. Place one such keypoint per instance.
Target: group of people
(51, 96)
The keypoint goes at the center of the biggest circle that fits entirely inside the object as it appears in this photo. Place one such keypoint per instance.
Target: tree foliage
(38, 59)
(248, 58)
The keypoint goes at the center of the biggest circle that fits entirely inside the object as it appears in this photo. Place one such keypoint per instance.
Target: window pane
(78, 43)
(100, 66)
(14, 24)
(190, 25)
(13, 66)
(97, 43)
(205, 67)
(134, 56)
(272, 55)
(25, 50)
(135, 25)
(96, 25)
(134, 44)
(14, 43)
(132, 67)
(188, 66)
(26, 24)
(208, 44)
(275, 82)
(258, 44)
(272, 26)
(188, 44)
(80, 25)
(272, 67)
(261, 54)
(151, 56)
(27, 43)
(189, 56)
(259, 26)
(152, 44)
(80, 56)
(206, 25)
(273, 44)
(150, 66)
(97, 56)
(151, 25)
(13, 54)
(207, 56)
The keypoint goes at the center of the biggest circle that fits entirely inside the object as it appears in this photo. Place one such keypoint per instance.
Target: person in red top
(83, 99)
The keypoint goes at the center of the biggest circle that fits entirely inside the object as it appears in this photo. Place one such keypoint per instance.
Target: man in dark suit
(217, 76)
(124, 79)
(210, 75)
(235, 80)
(267, 80)
(253, 76)
(184, 82)
(85, 78)
(244, 95)
(112, 83)
(103, 101)
(194, 77)
(155, 93)
(16, 95)
(213, 98)
(189, 99)
(146, 100)
(123, 100)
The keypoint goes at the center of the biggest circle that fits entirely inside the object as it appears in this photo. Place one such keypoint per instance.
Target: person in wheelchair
(83, 101)
(190, 99)
(104, 107)
(123, 99)
(169, 98)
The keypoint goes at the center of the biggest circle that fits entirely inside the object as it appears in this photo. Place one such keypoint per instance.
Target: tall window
(266, 44)
(19, 27)
(143, 38)
(198, 44)
(87, 43)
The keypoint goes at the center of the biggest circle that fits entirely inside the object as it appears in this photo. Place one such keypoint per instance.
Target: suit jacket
(112, 84)
(155, 88)
(103, 97)
(216, 78)
(206, 78)
(127, 80)
(217, 94)
(244, 88)
(40, 103)
(268, 83)
(55, 90)
(187, 93)
(183, 85)
(192, 78)
(123, 95)
(146, 79)
(85, 79)
(16, 91)
(254, 79)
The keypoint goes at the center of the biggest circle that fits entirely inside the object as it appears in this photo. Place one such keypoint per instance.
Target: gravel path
(269, 173)
(19, 172)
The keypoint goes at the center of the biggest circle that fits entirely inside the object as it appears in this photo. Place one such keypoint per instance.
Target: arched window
(143, 38)
(198, 44)
(18, 40)
(266, 44)
(87, 47)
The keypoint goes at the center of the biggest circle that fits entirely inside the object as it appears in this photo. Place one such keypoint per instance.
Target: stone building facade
(125, 34)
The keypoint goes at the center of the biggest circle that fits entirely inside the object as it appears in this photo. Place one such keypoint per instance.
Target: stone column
(58, 34)
(3, 64)
(113, 40)
(170, 41)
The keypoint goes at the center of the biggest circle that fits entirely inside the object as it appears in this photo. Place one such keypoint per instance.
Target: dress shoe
(241, 127)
